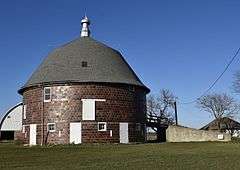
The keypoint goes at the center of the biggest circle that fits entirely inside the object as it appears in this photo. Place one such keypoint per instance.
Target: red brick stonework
(124, 103)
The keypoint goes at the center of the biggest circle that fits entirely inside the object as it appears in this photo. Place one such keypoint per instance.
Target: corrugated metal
(12, 121)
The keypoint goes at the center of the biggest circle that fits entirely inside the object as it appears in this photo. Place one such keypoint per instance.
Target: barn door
(123, 132)
(76, 132)
(33, 134)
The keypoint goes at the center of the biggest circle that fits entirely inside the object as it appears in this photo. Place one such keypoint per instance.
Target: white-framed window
(51, 127)
(24, 111)
(23, 128)
(102, 126)
(47, 94)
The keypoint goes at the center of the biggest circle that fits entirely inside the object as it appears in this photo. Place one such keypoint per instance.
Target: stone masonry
(124, 103)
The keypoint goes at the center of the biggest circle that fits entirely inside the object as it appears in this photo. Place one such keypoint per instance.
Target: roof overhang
(72, 82)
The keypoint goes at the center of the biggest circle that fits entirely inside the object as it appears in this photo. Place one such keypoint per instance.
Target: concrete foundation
(183, 134)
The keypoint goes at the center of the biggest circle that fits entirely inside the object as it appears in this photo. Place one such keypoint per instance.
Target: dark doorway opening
(159, 126)
(158, 135)
(7, 135)
(161, 134)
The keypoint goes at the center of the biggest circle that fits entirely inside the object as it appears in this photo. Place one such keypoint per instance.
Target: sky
(179, 45)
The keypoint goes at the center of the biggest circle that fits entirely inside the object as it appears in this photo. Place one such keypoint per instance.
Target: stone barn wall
(124, 103)
(183, 134)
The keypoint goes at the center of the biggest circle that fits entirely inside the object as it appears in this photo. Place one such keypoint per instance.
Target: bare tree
(151, 105)
(162, 106)
(219, 105)
(160, 111)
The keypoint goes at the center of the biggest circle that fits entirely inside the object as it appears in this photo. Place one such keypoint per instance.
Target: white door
(33, 134)
(123, 132)
(76, 132)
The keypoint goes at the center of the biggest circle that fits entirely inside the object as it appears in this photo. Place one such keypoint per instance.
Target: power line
(215, 82)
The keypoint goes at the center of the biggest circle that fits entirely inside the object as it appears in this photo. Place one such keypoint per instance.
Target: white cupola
(85, 32)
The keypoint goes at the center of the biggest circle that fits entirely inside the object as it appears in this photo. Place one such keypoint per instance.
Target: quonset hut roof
(102, 65)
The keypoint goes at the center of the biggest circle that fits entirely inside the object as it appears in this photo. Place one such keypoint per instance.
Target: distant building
(11, 123)
(226, 125)
(84, 92)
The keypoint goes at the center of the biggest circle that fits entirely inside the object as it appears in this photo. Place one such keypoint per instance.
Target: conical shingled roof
(64, 65)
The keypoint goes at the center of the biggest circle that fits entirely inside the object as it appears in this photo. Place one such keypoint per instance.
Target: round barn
(84, 92)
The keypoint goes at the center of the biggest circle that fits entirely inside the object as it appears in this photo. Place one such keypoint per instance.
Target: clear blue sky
(179, 45)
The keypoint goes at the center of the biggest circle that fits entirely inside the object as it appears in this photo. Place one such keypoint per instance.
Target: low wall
(183, 134)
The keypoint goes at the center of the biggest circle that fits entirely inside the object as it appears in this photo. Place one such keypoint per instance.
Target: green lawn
(113, 156)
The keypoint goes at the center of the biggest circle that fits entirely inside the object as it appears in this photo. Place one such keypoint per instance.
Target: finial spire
(85, 30)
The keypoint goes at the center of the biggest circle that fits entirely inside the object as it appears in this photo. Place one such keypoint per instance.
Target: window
(51, 127)
(47, 94)
(84, 64)
(24, 111)
(102, 126)
(88, 108)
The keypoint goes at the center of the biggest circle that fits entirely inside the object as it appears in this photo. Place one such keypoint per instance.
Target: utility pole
(176, 114)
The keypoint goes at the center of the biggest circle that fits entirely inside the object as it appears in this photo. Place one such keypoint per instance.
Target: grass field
(139, 156)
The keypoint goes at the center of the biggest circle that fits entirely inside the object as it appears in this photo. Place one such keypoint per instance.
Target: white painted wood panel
(88, 108)
(123, 132)
(33, 134)
(76, 132)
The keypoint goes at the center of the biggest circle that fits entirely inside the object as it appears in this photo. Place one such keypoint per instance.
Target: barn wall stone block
(124, 103)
